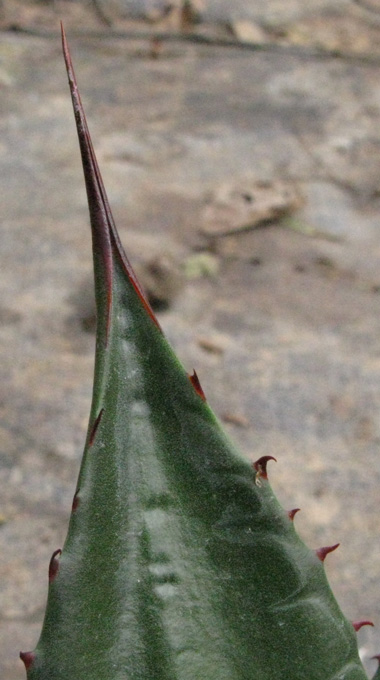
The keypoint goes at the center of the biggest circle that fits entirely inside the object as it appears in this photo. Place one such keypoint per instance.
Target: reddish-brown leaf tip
(27, 658)
(106, 241)
(357, 625)
(54, 564)
(197, 385)
(292, 513)
(260, 466)
(94, 186)
(321, 553)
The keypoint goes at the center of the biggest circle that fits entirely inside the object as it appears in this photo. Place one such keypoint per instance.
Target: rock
(246, 203)
(248, 31)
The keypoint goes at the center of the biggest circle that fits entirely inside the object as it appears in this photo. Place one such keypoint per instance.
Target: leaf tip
(106, 241)
(65, 48)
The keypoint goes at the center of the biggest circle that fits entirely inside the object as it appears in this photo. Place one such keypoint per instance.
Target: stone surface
(223, 10)
(295, 318)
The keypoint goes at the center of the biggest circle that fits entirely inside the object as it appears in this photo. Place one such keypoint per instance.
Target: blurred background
(240, 147)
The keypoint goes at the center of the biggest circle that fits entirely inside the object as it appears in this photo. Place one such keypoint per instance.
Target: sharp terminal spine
(323, 552)
(292, 513)
(105, 236)
(54, 565)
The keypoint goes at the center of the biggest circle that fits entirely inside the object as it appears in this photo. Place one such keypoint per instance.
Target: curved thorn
(54, 565)
(27, 658)
(321, 553)
(357, 625)
(197, 385)
(292, 513)
(94, 428)
(75, 503)
(260, 466)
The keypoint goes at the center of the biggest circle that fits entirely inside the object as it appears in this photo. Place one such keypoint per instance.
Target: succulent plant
(179, 563)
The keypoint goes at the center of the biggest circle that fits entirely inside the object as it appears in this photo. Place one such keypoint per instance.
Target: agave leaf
(179, 563)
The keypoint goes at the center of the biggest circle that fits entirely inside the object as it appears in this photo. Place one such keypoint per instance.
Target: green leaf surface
(179, 563)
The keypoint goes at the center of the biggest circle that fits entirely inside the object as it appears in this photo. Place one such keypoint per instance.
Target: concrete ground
(245, 181)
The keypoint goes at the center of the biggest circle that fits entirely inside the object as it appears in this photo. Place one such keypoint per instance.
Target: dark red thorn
(261, 467)
(75, 504)
(292, 513)
(197, 385)
(94, 428)
(98, 210)
(27, 658)
(54, 565)
(377, 657)
(359, 624)
(105, 237)
(321, 553)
